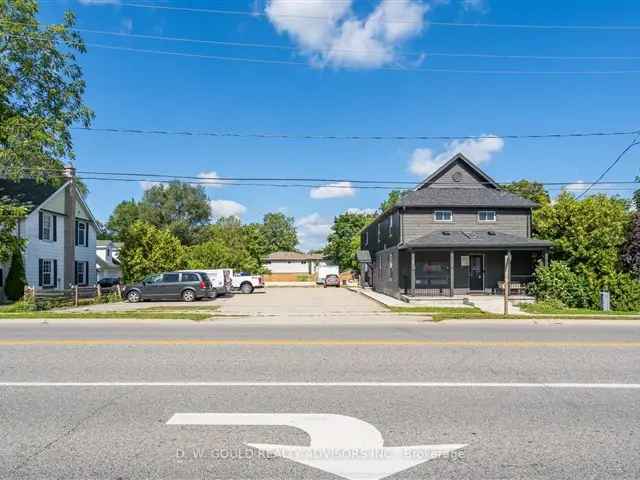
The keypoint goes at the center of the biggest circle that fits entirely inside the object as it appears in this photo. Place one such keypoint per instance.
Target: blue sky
(360, 75)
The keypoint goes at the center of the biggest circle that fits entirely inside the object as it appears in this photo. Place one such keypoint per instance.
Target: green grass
(134, 314)
(427, 309)
(182, 308)
(546, 309)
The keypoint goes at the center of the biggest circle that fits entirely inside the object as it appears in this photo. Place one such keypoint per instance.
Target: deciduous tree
(41, 90)
(344, 239)
(148, 249)
(279, 233)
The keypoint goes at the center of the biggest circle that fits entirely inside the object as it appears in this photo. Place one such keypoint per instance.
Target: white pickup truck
(246, 283)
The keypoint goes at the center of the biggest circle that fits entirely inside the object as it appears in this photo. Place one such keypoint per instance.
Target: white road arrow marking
(342, 445)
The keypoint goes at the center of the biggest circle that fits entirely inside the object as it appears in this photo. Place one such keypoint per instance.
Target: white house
(107, 261)
(60, 233)
(293, 262)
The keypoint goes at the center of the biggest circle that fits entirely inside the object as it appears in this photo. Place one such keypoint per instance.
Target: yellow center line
(320, 343)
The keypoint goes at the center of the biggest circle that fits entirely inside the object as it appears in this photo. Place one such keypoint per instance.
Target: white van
(221, 279)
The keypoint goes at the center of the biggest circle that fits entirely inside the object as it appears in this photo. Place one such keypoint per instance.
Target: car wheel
(246, 287)
(188, 296)
(133, 296)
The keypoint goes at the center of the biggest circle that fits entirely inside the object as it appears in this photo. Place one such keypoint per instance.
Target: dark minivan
(186, 286)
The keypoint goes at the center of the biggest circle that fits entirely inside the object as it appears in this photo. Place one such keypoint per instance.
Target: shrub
(624, 291)
(16, 278)
(557, 283)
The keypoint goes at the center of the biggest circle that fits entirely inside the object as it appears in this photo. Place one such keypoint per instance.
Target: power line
(635, 141)
(287, 136)
(292, 48)
(321, 182)
(395, 69)
(262, 14)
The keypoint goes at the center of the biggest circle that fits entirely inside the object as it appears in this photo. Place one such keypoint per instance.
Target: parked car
(220, 279)
(324, 270)
(332, 280)
(186, 286)
(246, 283)
(108, 282)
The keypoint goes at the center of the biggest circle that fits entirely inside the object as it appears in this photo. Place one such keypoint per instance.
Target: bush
(26, 304)
(16, 278)
(557, 283)
(625, 292)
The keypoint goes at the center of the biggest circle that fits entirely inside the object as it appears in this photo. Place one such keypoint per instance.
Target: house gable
(459, 172)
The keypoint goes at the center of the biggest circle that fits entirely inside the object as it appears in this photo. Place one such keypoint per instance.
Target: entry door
(476, 273)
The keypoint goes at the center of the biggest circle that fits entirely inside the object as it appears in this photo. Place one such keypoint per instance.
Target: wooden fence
(70, 295)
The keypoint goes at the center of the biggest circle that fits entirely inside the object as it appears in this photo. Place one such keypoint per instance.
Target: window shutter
(86, 273)
(75, 273)
(40, 225)
(86, 234)
(55, 273)
(54, 219)
(76, 232)
(40, 272)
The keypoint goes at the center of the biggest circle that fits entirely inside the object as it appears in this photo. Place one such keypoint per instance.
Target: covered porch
(468, 269)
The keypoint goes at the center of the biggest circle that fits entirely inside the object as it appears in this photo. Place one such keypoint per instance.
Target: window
(443, 216)
(152, 279)
(486, 216)
(47, 226)
(378, 232)
(366, 237)
(81, 273)
(189, 277)
(170, 277)
(47, 273)
(390, 266)
(390, 225)
(82, 233)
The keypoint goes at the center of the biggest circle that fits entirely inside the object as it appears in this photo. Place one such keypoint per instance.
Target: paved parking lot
(300, 301)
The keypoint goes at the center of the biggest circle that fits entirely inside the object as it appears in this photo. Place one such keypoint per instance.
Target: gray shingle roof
(28, 192)
(474, 239)
(463, 197)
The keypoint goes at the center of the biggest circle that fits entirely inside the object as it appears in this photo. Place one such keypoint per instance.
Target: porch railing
(431, 292)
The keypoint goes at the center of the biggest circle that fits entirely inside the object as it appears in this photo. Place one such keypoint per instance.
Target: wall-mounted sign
(464, 261)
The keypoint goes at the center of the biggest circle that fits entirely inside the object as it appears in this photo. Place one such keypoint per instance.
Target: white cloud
(210, 180)
(363, 211)
(146, 185)
(226, 208)
(333, 190)
(576, 187)
(330, 34)
(312, 231)
(424, 162)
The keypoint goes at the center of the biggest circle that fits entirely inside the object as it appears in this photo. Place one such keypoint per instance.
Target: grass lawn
(426, 309)
(132, 314)
(545, 309)
(182, 308)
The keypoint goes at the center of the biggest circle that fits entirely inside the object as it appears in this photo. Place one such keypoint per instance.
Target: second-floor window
(378, 233)
(366, 237)
(443, 216)
(47, 227)
(390, 225)
(82, 233)
(486, 216)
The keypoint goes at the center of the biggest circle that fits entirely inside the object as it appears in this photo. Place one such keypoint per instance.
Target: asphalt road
(528, 401)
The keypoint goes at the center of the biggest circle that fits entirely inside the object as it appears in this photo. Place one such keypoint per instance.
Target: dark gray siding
(387, 272)
(466, 178)
(419, 221)
(389, 233)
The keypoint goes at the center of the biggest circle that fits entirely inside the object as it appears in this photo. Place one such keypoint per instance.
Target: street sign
(341, 445)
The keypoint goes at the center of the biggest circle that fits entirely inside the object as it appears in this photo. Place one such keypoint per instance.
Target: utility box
(605, 301)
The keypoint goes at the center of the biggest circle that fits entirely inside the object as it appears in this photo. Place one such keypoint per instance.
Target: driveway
(301, 301)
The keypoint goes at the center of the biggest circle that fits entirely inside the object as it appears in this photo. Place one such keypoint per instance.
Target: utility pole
(69, 268)
(507, 281)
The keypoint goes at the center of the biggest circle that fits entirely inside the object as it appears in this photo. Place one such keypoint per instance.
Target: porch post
(451, 269)
(507, 281)
(413, 273)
